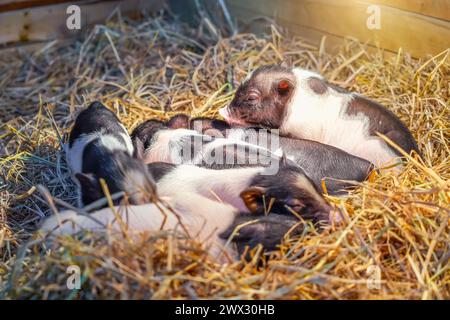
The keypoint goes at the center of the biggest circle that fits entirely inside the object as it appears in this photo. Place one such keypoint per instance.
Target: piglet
(156, 140)
(252, 190)
(174, 142)
(99, 147)
(302, 104)
(209, 222)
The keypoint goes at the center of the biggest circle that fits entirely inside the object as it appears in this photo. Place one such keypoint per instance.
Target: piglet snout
(335, 216)
(329, 214)
(225, 113)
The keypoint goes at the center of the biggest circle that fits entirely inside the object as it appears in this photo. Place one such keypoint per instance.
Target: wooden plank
(433, 8)
(49, 22)
(11, 5)
(420, 35)
(313, 36)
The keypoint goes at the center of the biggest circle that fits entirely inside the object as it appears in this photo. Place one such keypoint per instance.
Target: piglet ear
(179, 121)
(138, 151)
(88, 181)
(283, 86)
(90, 187)
(252, 198)
(268, 231)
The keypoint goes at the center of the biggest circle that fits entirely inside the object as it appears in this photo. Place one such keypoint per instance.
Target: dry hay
(153, 68)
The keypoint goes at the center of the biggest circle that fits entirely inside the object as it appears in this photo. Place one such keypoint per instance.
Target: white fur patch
(112, 144)
(165, 144)
(136, 184)
(127, 139)
(321, 117)
(203, 218)
(74, 155)
(224, 185)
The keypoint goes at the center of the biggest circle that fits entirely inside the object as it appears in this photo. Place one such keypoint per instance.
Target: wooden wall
(420, 27)
(24, 21)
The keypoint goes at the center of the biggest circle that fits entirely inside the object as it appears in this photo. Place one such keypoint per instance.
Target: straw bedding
(153, 68)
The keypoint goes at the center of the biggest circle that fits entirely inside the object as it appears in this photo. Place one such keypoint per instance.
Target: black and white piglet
(209, 222)
(302, 104)
(172, 142)
(99, 147)
(251, 190)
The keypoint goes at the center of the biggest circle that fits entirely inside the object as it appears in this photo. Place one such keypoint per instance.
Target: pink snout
(228, 118)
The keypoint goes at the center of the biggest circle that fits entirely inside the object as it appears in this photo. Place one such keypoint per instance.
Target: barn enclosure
(154, 59)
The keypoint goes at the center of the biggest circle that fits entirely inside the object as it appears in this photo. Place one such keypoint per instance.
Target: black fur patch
(146, 130)
(99, 162)
(317, 85)
(383, 121)
(160, 169)
(93, 118)
(319, 161)
(283, 187)
(268, 231)
(205, 125)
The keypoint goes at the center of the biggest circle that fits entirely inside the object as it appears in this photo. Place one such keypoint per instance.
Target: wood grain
(432, 8)
(49, 22)
(418, 34)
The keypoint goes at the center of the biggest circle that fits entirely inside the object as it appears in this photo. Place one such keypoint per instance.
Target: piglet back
(384, 121)
(94, 118)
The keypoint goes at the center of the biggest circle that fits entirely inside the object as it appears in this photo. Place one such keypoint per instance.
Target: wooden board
(432, 8)
(11, 5)
(44, 23)
(418, 34)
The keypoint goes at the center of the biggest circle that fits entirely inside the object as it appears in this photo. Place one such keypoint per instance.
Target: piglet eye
(283, 86)
(253, 96)
(295, 204)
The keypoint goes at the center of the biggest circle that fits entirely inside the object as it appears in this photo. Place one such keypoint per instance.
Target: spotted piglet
(254, 190)
(302, 104)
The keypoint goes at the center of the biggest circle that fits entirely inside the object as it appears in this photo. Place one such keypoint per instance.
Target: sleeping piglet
(209, 222)
(159, 141)
(302, 104)
(248, 189)
(99, 147)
